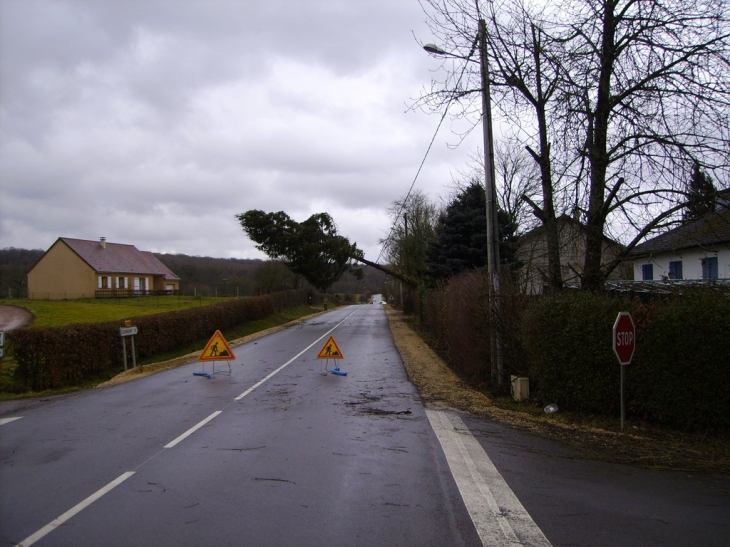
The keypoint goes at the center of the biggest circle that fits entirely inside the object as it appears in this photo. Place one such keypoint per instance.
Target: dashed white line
(193, 429)
(290, 361)
(498, 516)
(30, 540)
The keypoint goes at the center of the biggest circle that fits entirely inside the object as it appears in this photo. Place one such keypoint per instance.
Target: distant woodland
(205, 276)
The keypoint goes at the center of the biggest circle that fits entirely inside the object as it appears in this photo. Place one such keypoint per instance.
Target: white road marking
(4, 421)
(30, 540)
(290, 361)
(193, 429)
(497, 514)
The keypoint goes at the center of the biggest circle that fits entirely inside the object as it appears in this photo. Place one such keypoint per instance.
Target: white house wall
(691, 263)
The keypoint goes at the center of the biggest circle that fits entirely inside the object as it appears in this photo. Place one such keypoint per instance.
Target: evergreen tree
(701, 194)
(462, 236)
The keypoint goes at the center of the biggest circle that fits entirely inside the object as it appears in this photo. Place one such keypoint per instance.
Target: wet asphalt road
(306, 459)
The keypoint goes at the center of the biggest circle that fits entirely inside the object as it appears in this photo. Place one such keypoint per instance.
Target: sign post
(331, 350)
(124, 332)
(624, 345)
(217, 349)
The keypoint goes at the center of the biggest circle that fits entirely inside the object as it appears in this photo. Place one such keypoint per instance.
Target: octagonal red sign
(624, 337)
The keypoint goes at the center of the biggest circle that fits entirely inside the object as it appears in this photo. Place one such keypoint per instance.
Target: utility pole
(492, 225)
(405, 262)
(491, 193)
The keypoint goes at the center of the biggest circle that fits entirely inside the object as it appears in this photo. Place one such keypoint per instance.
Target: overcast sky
(155, 122)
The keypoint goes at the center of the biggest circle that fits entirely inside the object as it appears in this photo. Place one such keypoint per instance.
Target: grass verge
(57, 313)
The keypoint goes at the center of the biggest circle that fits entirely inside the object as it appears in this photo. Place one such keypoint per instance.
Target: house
(78, 268)
(532, 255)
(698, 249)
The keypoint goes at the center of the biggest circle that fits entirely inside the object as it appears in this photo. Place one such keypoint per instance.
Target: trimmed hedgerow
(679, 377)
(680, 373)
(571, 360)
(53, 357)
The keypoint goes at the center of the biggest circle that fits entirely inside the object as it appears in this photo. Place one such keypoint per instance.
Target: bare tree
(525, 62)
(517, 178)
(615, 100)
(646, 96)
(414, 220)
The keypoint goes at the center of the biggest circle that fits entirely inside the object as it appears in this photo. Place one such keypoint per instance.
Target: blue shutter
(709, 267)
(647, 272)
(675, 269)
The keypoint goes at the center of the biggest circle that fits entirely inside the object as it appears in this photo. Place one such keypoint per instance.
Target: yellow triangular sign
(330, 350)
(217, 349)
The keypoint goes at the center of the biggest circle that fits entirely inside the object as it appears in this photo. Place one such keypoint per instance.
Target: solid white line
(4, 421)
(193, 429)
(290, 361)
(30, 540)
(498, 516)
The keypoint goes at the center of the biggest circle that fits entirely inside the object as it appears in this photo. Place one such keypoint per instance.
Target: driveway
(13, 317)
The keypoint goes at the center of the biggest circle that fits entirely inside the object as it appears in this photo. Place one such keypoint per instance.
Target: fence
(132, 293)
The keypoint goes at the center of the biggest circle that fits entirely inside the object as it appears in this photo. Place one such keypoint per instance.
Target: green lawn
(57, 313)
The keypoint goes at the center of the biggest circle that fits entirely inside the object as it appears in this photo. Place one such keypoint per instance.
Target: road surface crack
(274, 480)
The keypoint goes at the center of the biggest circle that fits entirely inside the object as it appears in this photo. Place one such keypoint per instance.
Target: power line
(441, 121)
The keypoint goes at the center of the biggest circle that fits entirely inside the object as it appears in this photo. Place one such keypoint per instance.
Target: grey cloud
(155, 122)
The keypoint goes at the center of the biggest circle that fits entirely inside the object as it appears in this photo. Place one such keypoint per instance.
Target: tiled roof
(118, 258)
(708, 231)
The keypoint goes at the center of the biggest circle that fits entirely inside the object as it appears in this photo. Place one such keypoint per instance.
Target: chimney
(103, 242)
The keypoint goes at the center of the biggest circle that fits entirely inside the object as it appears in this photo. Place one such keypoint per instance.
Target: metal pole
(492, 225)
(134, 357)
(124, 352)
(622, 397)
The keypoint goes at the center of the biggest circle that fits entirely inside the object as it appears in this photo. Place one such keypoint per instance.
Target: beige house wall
(532, 253)
(61, 274)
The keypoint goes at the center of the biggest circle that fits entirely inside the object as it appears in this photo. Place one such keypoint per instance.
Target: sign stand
(217, 349)
(130, 332)
(331, 350)
(624, 345)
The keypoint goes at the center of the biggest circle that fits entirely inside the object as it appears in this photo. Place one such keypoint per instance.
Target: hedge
(54, 357)
(680, 373)
(679, 377)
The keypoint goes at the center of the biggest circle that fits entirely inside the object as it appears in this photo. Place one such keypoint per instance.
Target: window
(709, 267)
(104, 282)
(675, 270)
(121, 283)
(647, 272)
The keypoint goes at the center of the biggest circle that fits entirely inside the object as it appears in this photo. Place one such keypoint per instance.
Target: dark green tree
(312, 248)
(701, 194)
(462, 235)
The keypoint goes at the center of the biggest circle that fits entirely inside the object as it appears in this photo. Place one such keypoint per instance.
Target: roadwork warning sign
(330, 350)
(217, 349)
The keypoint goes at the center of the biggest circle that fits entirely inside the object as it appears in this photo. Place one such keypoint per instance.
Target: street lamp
(490, 191)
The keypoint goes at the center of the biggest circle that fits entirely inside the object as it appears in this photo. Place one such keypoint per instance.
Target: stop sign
(624, 337)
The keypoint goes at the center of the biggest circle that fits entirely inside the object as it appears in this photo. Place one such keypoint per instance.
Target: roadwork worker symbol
(217, 349)
(330, 350)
